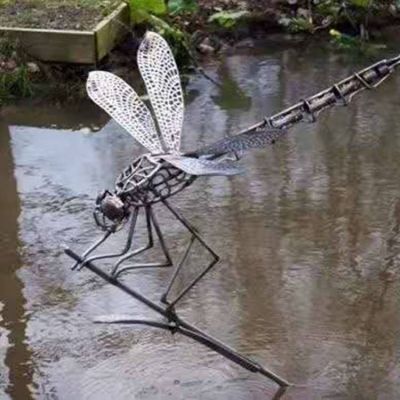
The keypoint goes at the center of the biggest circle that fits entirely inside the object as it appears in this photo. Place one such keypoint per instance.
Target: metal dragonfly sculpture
(156, 176)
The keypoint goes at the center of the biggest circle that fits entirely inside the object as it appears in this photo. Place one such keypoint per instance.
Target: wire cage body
(149, 180)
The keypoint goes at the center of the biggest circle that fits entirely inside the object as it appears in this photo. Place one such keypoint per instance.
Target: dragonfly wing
(195, 166)
(123, 104)
(161, 76)
(244, 141)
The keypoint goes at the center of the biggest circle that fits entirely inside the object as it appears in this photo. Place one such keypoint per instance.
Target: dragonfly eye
(112, 207)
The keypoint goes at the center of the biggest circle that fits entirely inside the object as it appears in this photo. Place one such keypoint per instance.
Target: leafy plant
(153, 13)
(15, 84)
(7, 47)
(141, 10)
(228, 19)
(300, 24)
(355, 44)
(343, 40)
(328, 8)
(361, 3)
(176, 7)
(178, 40)
(313, 15)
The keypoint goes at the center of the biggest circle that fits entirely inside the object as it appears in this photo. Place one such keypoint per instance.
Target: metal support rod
(164, 297)
(195, 234)
(181, 326)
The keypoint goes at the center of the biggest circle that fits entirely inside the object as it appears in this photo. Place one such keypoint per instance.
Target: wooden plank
(109, 31)
(78, 47)
(54, 45)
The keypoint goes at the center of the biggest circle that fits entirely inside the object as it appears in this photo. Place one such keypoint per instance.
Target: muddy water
(309, 240)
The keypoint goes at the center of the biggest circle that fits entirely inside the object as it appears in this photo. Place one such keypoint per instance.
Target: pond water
(309, 240)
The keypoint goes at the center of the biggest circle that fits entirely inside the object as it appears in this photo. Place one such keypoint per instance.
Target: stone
(33, 68)
(205, 49)
(11, 65)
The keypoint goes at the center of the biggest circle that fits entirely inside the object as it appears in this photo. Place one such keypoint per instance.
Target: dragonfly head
(110, 210)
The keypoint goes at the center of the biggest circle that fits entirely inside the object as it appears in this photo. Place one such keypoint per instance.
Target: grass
(15, 84)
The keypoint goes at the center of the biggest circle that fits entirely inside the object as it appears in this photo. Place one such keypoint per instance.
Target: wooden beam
(68, 46)
(109, 31)
(53, 45)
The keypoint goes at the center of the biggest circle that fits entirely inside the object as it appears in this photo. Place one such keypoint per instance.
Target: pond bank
(218, 26)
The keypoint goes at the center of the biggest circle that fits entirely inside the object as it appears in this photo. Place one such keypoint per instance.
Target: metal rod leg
(133, 253)
(127, 246)
(196, 236)
(164, 297)
(160, 238)
(193, 283)
(151, 222)
(92, 248)
(189, 227)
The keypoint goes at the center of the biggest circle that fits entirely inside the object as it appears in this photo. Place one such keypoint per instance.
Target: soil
(251, 5)
(55, 14)
(85, 14)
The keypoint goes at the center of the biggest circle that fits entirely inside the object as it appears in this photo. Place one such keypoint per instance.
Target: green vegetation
(15, 80)
(349, 22)
(142, 10)
(176, 7)
(229, 19)
(353, 15)
(15, 84)
(155, 14)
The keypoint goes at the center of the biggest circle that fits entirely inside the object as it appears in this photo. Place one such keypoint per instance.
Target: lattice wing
(199, 167)
(122, 103)
(245, 141)
(161, 76)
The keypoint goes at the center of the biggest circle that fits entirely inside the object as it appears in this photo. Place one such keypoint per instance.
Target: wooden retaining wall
(78, 47)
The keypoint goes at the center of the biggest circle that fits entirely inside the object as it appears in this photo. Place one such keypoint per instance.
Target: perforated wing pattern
(122, 103)
(194, 166)
(161, 76)
(244, 141)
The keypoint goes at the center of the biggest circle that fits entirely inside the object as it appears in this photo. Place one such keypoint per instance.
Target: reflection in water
(15, 368)
(231, 96)
(309, 240)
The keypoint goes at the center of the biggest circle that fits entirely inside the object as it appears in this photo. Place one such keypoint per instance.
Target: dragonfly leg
(151, 222)
(194, 236)
(126, 248)
(91, 249)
